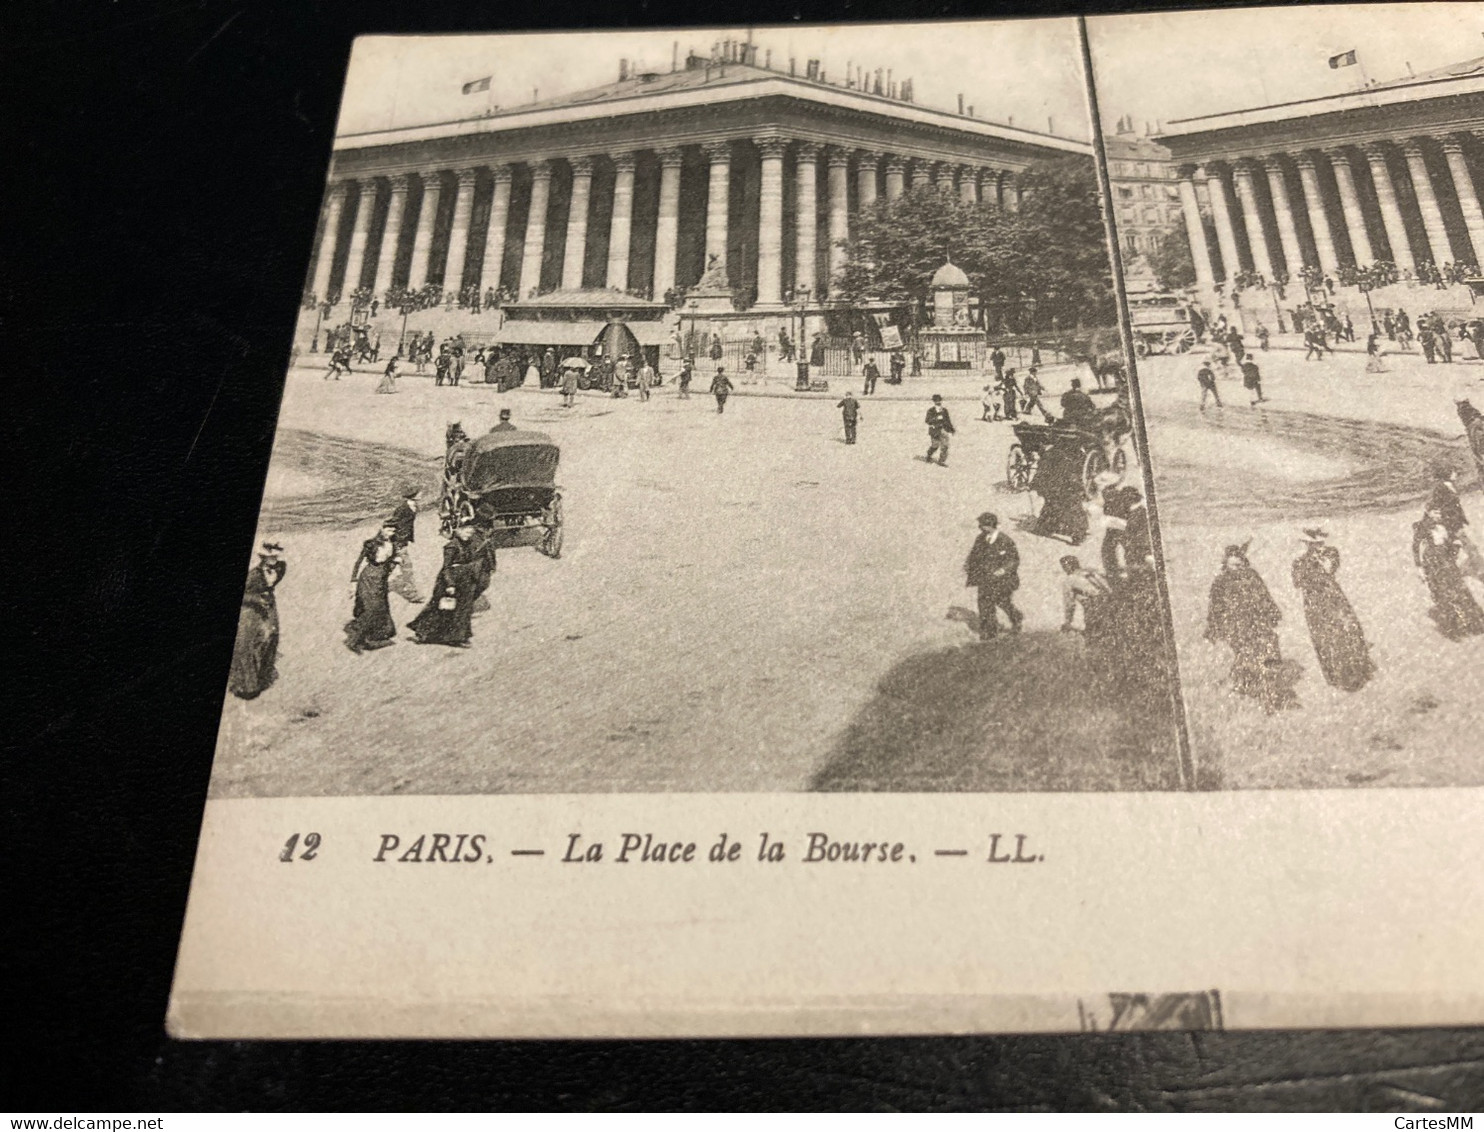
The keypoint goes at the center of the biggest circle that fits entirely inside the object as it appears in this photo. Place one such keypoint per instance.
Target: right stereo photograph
(1297, 196)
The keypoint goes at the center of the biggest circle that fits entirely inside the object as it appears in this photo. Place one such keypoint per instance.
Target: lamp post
(801, 368)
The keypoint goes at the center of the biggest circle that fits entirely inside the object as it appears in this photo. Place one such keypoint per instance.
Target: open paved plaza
(744, 602)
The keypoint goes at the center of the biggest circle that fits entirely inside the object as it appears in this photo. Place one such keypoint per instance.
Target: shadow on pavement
(1025, 712)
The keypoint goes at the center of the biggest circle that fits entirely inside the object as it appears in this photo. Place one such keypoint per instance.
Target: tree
(1171, 261)
(1052, 250)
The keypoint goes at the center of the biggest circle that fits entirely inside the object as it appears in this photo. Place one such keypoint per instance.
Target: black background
(163, 170)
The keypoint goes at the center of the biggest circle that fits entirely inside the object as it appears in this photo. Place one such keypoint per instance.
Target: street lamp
(801, 368)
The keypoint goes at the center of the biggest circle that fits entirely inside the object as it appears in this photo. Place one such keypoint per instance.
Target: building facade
(1387, 173)
(1146, 197)
(722, 167)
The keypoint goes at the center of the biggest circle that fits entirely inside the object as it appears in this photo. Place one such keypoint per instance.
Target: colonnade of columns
(395, 245)
(1341, 204)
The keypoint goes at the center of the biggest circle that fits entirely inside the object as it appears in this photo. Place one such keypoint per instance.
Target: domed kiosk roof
(949, 276)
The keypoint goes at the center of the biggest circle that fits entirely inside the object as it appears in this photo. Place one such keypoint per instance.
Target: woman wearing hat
(1339, 642)
(255, 654)
(447, 618)
(1435, 552)
(1244, 616)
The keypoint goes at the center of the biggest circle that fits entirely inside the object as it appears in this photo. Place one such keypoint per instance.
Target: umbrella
(575, 362)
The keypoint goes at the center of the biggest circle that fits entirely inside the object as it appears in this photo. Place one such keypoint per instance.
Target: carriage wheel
(1141, 346)
(1184, 341)
(551, 542)
(1018, 469)
(1093, 465)
(465, 513)
(584, 382)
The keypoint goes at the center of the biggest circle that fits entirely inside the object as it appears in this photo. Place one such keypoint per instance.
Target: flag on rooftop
(1344, 59)
(484, 84)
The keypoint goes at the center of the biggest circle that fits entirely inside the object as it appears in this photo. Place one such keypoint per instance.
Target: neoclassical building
(723, 162)
(1388, 172)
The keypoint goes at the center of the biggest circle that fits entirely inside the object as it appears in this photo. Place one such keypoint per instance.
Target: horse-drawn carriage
(1091, 448)
(1160, 324)
(504, 484)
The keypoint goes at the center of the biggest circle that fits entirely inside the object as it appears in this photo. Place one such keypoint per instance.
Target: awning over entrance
(649, 333)
(550, 333)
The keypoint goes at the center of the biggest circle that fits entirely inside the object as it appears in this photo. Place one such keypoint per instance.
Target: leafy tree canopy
(1052, 250)
(1173, 267)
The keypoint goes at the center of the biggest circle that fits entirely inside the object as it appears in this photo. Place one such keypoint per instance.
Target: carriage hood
(511, 459)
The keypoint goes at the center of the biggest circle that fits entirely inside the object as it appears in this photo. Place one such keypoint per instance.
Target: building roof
(1466, 77)
(949, 275)
(1134, 147)
(592, 297)
(648, 91)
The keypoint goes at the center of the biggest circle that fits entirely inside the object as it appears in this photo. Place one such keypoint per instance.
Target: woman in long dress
(447, 618)
(1244, 616)
(371, 625)
(1436, 553)
(1339, 641)
(389, 377)
(1058, 481)
(255, 654)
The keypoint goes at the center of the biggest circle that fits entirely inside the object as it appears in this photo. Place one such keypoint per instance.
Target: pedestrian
(371, 625)
(441, 366)
(389, 377)
(1473, 427)
(916, 362)
(1010, 394)
(1058, 481)
(1373, 354)
(403, 523)
(857, 347)
(993, 568)
(1078, 410)
(255, 651)
(548, 368)
(1339, 641)
(646, 380)
(816, 351)
(940, 428)
(899, 366)
(721, 388)
(1349, 329)
(504, 425)
(569, 387)
(683, 381)
(1252, 380)
(1031, 393)
(871, 373)
(1086, 588)
(1389, 323)
(997, 359)
(716, 351)
(989, 403)
(1444, 338)
(532, 374)
(1244, 616)
(850, 412)
(1435, 552)
(1206, 378)
(1238, 346)
(447, 618)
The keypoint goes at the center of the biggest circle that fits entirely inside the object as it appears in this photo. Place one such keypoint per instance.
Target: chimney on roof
(1050, 124)
(960, 103)
(623, 69)
(971, 110)
(768, 59)
(674, 56)
(792, 69)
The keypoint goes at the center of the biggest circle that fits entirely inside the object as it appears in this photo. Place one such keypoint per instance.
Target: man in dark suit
(940, 428)
(1077, 408)
(993, 567)
(403, 524)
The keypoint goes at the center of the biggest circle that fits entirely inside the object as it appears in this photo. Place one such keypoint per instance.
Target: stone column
(1360, 239)
(1427, 202)
(391, 237)
(667, 232)
(334, 206)
(1257, 239)
(896, 174)
(717, 198)
(943, 177)
(1324, 242)
(1468, 197)
(494, 239)
(1293, 251)
(1391, 212)
(806, 218)
(458, 233)
(770, 222)
(922, 173)
(575, 252)
(535, 247)
(623, 222)
(422, 239)
(1009, 192)
(1226, 235)
(1195, 232)
(360, 233)
(865, 172)
(968, 184)
(839, 211)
